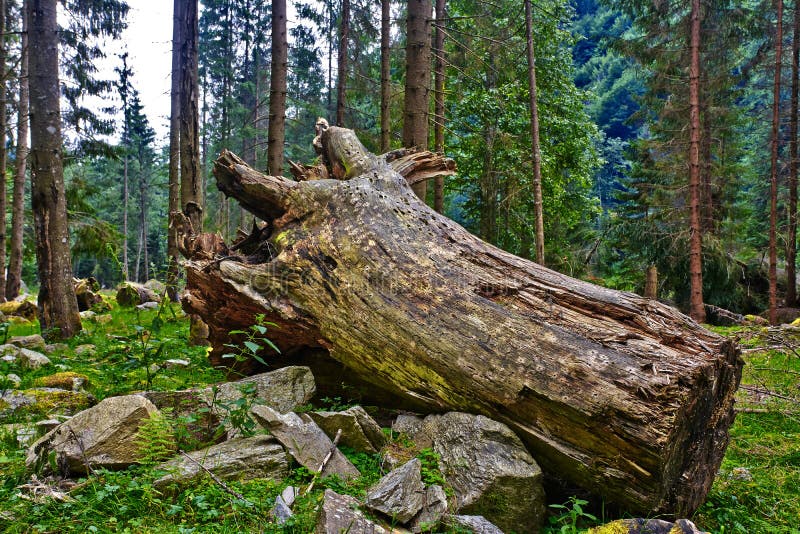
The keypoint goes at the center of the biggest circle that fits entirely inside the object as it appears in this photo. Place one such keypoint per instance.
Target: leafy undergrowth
(126, 501)
(757, 491)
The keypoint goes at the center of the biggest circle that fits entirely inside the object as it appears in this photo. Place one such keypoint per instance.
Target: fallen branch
(324, 461)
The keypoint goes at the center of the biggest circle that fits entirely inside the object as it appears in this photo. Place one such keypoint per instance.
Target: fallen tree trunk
(621, 395)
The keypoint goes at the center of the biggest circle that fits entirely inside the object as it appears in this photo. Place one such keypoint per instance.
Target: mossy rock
(68, 380)
(42, 402)
(25, 308)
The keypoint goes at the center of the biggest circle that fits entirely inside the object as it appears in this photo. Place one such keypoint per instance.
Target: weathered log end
(618, 394)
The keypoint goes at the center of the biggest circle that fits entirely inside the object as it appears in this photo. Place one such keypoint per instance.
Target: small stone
(477, 524)
(647, 526)
(56, 347)
(68, 380)
(282, 510)
(399, 494)
(742, 473)
(339, 513)
(33, 342)
(289, 494)
(433, 509)
(86, 349)
(88, 315)
(13, 379)
(32, 359)
(148, 306)
(175, 363)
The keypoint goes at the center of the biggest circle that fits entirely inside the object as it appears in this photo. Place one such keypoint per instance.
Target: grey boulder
(360, 432)
(104, 435)
(305, 441)
(477, 524)
(339, 513)
(434, 507)
(400, 494)
(488, 468)
(236, 459)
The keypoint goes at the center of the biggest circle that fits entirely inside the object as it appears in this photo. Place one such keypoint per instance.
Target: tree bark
(418, 80)
(3, 150)
(696, 308)
(174, 149)
(651, 283)
(341, 85)
(791, 237)
(438, 97)
(277, 89)
(14, 280)
(191, 181)
(125, 193)
(535, 149)
(773, 190)
(143, 224)
(386, 82)
(621, 395)
(58, 307)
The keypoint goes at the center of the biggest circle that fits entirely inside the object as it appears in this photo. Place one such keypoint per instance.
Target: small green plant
(156, 438)
(254, 342)
(237, 410)
(570, 515)
(431, 474)
(145, 353)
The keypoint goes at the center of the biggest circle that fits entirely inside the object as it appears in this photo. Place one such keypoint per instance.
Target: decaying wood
(131, 294)
(621, 395)
(86, 292)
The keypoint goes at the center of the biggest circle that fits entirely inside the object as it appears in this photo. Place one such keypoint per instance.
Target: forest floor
(757, 490)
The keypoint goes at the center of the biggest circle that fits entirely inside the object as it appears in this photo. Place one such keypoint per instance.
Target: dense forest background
(614, 112)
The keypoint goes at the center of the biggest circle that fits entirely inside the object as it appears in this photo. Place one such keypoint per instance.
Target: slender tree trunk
(438, 97)
(488, 187)
(329, 5)
(651, 283)
(174, 149)
(277, 91)
(341, 86)
(537, 154)
(696, 308)
(58, 306)
(791, 238)
(3, 151)
(143, 201)
(707, 194)
(191, 194)
(125, 193)
(14, 280)
(386, 82)
(418, 80)
(773, 190)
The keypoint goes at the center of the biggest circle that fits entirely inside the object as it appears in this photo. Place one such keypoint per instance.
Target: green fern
(156, 438)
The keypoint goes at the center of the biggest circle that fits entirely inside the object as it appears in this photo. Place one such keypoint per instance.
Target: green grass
(765, 440)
